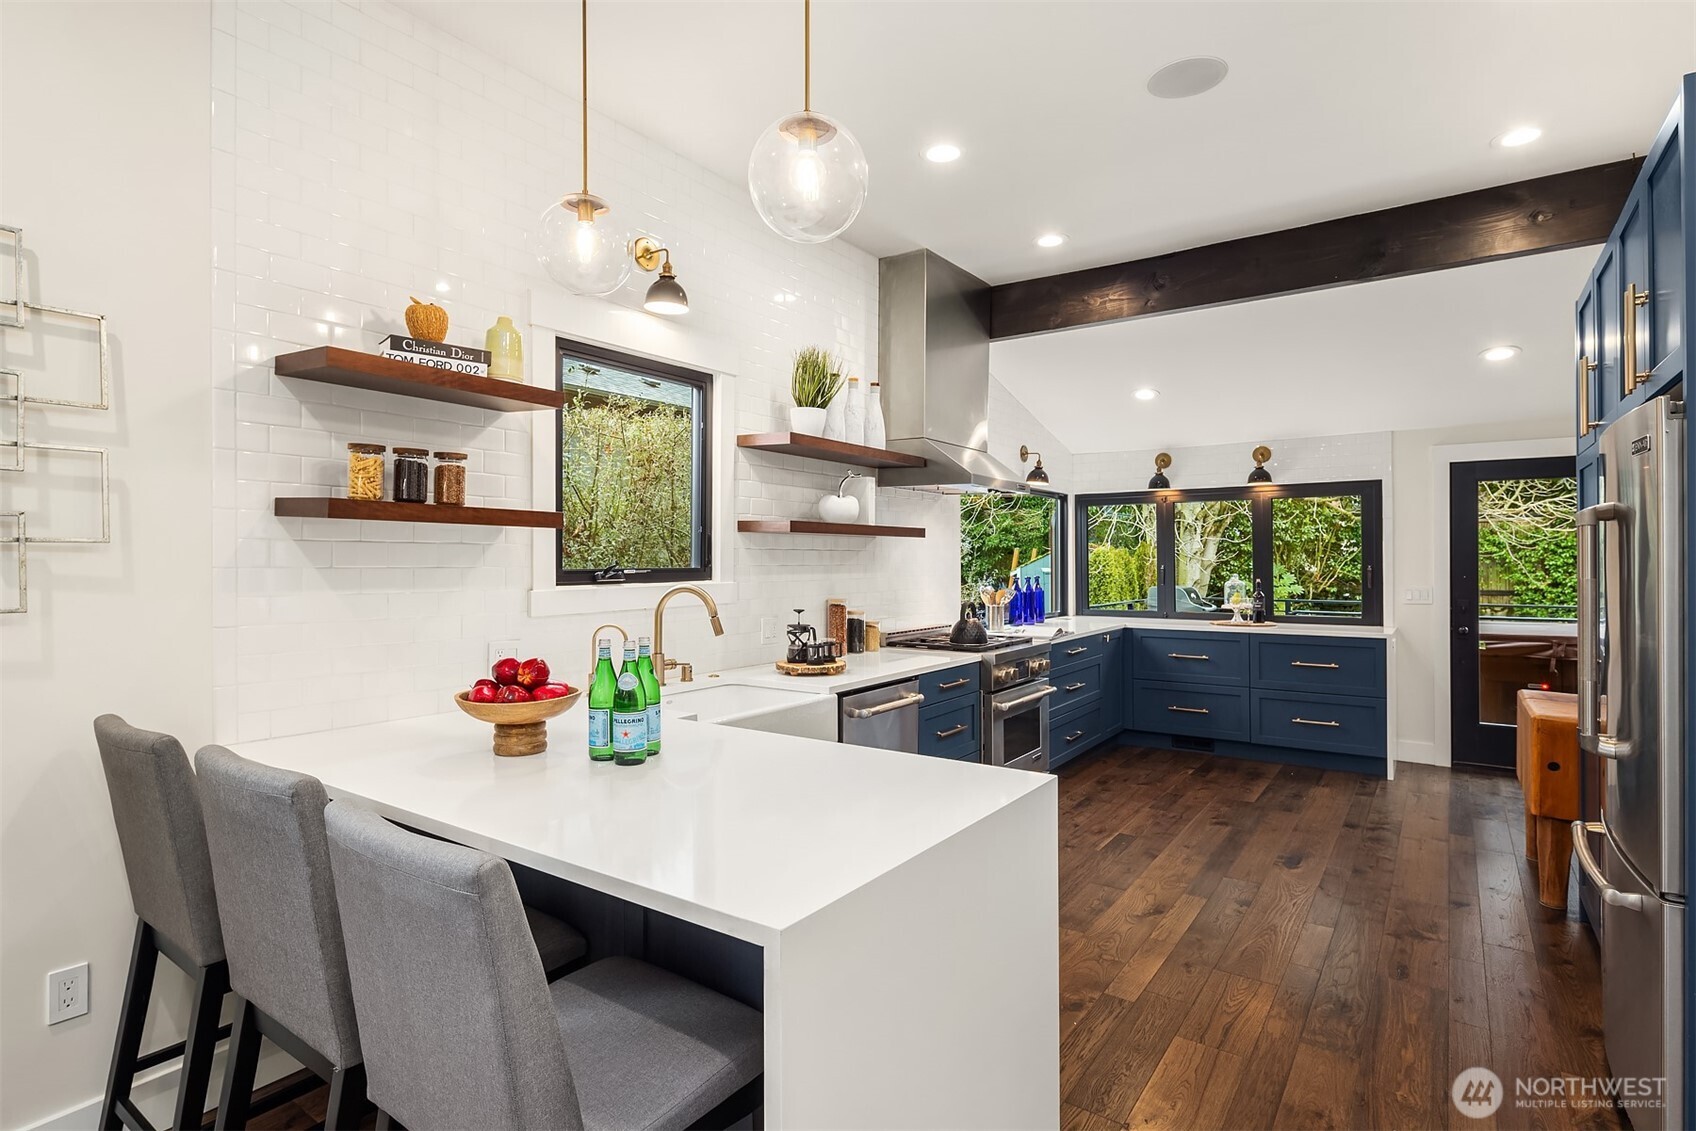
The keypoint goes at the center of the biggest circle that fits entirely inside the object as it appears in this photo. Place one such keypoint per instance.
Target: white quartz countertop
(1291, 628)
(865, 669)
(740, 831)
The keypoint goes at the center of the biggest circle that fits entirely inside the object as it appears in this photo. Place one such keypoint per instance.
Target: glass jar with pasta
(365, 472)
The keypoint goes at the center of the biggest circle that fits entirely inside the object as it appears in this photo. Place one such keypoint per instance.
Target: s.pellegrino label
(629, 714)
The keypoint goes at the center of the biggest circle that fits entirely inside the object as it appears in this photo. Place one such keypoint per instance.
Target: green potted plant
(813, 383)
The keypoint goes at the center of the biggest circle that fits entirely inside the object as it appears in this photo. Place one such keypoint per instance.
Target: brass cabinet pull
(1191, 710)
(1071, 687)
(1585, 368)
(952, 731)
(1074, 736)
(1316, 722)
(1634, 298)
(1186, 656)
(951, 684)
(1076, 651)
(1306, 664)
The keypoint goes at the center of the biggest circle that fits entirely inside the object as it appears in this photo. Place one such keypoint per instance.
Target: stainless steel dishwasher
(886, 717)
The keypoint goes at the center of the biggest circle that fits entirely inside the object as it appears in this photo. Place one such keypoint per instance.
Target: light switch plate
(1416, 596)
(769, 631)
(501, 650)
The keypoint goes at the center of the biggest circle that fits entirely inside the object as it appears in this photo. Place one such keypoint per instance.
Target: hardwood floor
(1245, 945)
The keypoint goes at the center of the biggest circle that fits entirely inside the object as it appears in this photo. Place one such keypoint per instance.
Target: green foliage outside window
(627, 478)
(1317, 555)
(993, 527)
(1124, 566)
(1528, 548)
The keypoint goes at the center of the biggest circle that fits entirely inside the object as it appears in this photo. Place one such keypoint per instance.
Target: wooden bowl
(520, 728)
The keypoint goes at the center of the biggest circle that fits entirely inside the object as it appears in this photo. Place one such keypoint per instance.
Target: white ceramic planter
(808, 421)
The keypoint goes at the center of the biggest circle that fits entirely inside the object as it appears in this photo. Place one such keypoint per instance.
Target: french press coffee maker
(802, 639)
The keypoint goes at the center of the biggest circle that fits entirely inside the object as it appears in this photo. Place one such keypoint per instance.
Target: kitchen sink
(753, 707)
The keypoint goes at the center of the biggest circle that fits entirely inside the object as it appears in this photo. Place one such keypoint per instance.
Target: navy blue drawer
(1072, 735)
(1210, 712)
(1191, 657)
(1074, 651)
(950, 683)
(1077, 685)
(949, 730)
(1326, 664)
(1329, 723)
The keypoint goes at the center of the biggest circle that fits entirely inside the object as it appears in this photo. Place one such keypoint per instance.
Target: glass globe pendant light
(580, 247)
(807, 174)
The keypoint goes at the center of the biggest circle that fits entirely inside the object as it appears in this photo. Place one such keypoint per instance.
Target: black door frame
(1474, 743)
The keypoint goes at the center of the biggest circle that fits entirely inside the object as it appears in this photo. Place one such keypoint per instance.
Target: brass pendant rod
(806, 55)
(585, 97)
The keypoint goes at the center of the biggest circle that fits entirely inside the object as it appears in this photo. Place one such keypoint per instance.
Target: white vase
(854, 414)
(833, 414)
(875, 437)
(807, 421)
(864, 488)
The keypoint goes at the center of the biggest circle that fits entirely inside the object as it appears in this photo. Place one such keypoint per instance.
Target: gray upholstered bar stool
(283, 930)
(157, 810)
(462, 1030)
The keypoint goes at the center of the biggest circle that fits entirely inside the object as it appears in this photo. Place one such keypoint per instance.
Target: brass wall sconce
(666, 295)
(1038, 477)
(1260, 474)
(1158, 481)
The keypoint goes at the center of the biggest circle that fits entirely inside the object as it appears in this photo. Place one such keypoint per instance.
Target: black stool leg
(347, 1098)
(211, 983)
(144, 959)
(235, 1103)
(385, 1122)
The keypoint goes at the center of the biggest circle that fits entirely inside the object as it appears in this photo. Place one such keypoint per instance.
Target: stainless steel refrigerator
(1630, 714)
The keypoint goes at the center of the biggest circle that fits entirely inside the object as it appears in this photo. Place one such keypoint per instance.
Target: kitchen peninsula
(905, 909)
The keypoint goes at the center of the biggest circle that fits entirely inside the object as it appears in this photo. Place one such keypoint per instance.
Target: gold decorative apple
(426, 320)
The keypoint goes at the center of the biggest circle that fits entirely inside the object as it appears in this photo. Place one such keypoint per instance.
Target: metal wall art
(16, 313)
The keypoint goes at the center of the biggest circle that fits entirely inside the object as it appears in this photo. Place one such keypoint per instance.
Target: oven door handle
(883, 708)
(1024, 700)
(1581, 831)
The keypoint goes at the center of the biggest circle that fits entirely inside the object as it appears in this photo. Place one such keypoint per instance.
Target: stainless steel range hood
(933, 367)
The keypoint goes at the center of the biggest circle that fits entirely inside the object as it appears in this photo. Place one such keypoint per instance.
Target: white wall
(105, 167)
(355, 165)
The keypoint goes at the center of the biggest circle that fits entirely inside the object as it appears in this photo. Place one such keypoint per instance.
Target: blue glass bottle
(1016, 605)
(1039, 601)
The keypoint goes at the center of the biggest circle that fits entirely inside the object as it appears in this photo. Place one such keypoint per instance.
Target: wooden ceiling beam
(1550, 213)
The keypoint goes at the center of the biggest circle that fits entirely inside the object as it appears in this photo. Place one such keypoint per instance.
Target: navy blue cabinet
(949, 717)
(1190, 657)
(1087, 707)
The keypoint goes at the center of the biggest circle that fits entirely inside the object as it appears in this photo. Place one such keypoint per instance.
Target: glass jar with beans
(412, 475)
(365, 472)
(450, 479)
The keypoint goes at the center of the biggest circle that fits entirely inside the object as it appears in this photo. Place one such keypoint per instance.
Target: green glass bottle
(602, 685)
(629, 714)
(650, 691)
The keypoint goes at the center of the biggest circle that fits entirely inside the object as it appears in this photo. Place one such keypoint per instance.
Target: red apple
(513, 694)
(505, 671)
(484, 692)
(485, 683)
(532, 673)
(551, 691)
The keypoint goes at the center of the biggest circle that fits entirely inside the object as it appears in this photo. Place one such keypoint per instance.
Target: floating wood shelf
(809, 526)
(383, 511)
(817, 447)
(355, 370)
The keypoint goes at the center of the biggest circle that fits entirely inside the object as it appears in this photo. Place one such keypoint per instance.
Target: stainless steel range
(1015, 699)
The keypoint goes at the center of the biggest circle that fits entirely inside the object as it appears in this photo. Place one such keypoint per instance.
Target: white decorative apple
(839, 508)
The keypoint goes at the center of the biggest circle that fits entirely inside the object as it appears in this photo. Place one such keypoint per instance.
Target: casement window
(1315, 548)
(634, 488)
(1002, 532)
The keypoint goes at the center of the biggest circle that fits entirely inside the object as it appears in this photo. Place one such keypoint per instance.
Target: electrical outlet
(502, 650)
(770, 633)
(67, 993)
(1416, 596)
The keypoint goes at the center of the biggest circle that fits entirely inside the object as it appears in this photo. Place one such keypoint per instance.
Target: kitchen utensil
(520, 728)
(995, 618)
(800, 637)
(968, 630)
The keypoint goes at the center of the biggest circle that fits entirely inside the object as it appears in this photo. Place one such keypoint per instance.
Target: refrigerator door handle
(1590, 735)
(1581, 832)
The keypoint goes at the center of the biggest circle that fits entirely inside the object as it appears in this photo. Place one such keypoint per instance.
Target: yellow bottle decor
(506, 350)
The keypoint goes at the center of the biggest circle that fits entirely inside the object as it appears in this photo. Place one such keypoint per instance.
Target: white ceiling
(1386, 356)
(1329, 109)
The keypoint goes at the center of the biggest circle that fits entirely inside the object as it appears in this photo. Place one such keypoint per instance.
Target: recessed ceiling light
(1500, 353)
(1188, 77)
(1146, 394)
(942, 153)
(1050, 239)
(1518, 136)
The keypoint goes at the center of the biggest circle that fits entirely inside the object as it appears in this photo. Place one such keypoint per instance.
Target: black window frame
(1059, 549)
(703, 517)
(1259, 497)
